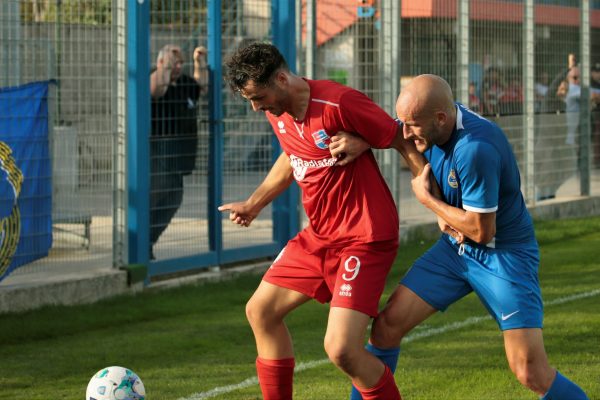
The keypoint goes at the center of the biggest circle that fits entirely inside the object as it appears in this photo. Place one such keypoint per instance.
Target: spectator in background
(558, 150)
(511, 100)
(555, 158)
(493, 88)
(474, 102)
(569, 90)
(541, 89)
(174, 132)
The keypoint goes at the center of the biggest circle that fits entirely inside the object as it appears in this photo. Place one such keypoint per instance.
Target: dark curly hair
(257, 62)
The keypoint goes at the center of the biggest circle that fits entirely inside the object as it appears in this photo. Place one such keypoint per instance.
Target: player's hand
(446, 228)
(421, 185)
(347, 147)
(200, 55)
(240, 213)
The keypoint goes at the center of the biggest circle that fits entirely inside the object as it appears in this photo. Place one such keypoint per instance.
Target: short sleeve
(478, 168)
(361, 115)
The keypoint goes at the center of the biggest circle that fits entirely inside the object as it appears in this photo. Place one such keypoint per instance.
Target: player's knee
(262, 314)
(250, 311)
(256, 313)
(385, 333)
(342, 355)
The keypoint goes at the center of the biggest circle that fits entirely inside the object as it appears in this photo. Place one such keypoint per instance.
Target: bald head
(425, 95)
(426, 107)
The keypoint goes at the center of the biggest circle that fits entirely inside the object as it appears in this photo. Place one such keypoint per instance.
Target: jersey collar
(459, 119)
(449, 145)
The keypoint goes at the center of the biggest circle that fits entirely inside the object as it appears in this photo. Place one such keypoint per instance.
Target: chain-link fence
(506, 60)
(533, 67)
(72, 45)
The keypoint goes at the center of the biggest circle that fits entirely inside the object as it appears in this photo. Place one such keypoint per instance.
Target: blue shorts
(505, 280)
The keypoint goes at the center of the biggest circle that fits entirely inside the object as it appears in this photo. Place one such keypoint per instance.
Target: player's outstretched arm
(280, 177)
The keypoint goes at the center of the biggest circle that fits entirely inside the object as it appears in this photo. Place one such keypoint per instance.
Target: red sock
(385, 389)
(275, 378)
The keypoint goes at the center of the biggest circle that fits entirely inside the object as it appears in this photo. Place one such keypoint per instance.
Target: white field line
(419, 335)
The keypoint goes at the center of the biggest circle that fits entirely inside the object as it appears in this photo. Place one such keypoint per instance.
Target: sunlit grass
(195, 338)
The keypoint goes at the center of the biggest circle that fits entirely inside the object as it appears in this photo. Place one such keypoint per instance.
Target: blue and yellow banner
(25, 176)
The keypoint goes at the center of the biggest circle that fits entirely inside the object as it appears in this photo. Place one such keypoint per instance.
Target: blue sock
(564, 389)
(388, 356)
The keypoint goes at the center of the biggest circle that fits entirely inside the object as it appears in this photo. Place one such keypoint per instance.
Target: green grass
(195, 338)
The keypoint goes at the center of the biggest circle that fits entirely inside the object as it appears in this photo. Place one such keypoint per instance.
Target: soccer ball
(115, 383)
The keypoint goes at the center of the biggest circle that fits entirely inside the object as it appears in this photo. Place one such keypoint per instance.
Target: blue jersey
(477, 171)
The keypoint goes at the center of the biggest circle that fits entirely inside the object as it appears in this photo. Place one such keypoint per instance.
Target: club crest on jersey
(452, 182)
(320, 137)
(281, 127)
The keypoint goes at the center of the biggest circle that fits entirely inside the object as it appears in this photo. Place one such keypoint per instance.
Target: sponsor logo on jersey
(452, 182)
(281, 127)
(346, 290)
(320, 137)
(300, 166)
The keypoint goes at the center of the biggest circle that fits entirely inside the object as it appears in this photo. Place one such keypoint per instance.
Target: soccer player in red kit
(346, 252)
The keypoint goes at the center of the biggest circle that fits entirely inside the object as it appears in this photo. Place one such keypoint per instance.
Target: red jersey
(343, 204)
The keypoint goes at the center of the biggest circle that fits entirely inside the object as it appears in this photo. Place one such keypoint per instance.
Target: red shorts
(350, 277)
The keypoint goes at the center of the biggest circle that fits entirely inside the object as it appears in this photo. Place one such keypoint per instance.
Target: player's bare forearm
(415, 160)
(279, 178)
(447, 228)
(479, 227)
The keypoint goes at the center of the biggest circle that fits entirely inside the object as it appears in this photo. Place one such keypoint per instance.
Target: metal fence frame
(380, 24)
(285, 212)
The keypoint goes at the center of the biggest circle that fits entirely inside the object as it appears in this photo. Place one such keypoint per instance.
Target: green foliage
(88, 12)
(177, 12)
(338, 75)
(99, 12)
(195, 338)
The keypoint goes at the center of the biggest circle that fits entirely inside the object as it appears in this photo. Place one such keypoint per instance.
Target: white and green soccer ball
(115, 383)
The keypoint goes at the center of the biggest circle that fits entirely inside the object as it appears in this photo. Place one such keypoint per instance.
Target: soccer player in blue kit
(496, 255)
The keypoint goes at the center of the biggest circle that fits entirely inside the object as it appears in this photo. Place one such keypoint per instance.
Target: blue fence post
(138, 131)
(286, 221)
(215, 107)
